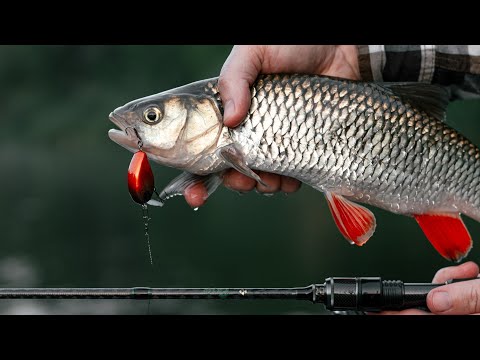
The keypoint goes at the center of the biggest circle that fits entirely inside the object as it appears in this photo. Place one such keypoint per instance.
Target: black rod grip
(374, 294)
(415, 295)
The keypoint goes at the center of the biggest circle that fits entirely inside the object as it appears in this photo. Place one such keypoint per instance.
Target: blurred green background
(67, 219)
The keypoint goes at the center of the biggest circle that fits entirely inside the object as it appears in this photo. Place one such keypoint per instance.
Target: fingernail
(441, 301)
(226, 184)
(229, 108)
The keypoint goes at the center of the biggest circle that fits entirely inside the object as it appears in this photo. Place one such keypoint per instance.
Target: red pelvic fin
(354, 221)
(447, 233)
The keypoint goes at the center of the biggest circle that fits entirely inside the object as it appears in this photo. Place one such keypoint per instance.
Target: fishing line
(146, 219)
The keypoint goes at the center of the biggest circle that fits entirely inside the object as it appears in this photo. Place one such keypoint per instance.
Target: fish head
(176, 127)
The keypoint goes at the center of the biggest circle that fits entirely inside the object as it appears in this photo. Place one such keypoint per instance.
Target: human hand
(239, 72)
(461, 298)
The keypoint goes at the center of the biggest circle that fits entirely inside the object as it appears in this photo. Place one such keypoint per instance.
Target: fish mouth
(117, 120)
(121, 136)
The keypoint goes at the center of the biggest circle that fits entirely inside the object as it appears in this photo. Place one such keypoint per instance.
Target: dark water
(67, 219)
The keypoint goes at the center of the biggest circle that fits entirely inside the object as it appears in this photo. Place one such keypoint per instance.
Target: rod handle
(375, 294)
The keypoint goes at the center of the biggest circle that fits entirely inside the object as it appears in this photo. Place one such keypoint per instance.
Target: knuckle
(473, 299)
(441, 275)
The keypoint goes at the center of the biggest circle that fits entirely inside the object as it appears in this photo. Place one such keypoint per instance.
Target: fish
(385, 145)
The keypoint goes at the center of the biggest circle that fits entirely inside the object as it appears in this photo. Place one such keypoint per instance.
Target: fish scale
(372, 129)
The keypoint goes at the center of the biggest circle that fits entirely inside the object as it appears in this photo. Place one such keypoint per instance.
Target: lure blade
(141, 183)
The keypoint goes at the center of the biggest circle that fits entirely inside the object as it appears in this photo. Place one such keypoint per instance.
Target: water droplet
(195, 209)
(267, 194)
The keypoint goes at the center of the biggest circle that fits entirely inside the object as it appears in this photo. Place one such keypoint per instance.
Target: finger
(402, 312)
(289, 184)
(272, 180)
(234, 180)
(466, 270)
(196, 195)
(237, 75)
(460, 298)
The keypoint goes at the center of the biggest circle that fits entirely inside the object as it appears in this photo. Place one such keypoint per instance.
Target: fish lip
(120, 132)
(121, 138)
(121, 135)
(117, 120)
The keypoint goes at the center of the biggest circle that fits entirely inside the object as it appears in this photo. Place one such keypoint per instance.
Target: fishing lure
(141, 186)
(141, 183)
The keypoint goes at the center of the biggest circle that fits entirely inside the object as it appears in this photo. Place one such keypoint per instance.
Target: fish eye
(152, 115)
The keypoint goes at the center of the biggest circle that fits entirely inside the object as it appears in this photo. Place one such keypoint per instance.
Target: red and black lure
(141, 186)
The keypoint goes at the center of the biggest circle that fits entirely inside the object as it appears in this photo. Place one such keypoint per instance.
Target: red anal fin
(354, 221)
(447, 233)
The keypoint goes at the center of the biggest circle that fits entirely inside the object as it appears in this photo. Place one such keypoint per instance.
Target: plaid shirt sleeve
(455, 66)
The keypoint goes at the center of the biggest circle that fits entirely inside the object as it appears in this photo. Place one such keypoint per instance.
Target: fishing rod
(337, 293)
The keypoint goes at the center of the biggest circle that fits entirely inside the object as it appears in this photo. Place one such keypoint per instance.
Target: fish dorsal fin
(433, 99)
(447, 233)
(355, 222)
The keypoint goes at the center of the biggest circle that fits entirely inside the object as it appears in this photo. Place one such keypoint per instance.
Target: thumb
(460, 298)
(237, 75)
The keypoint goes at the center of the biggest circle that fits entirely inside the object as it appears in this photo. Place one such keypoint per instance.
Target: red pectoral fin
(354, 221)
(447, 233)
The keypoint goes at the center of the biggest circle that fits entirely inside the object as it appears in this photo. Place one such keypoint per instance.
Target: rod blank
(138, 293)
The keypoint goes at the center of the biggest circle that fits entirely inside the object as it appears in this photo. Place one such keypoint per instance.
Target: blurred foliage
(67, 219)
